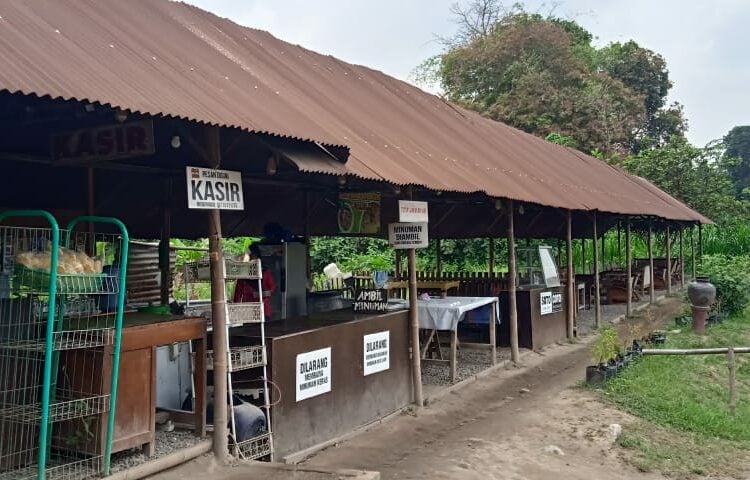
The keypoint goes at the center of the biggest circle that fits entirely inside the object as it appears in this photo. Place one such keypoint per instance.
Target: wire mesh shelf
(255, 448)
(242, 313)
(65, 340)
(61, 468)
(200, 271)
(241, 358)
(66, 407)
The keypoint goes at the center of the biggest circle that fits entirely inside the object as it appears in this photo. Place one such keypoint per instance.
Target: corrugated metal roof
(172, 59)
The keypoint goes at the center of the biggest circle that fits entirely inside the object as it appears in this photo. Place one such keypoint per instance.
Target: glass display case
(536, 267)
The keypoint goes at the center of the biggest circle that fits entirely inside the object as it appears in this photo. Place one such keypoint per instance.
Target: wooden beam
(512, 307)
(682, 257)
(692, 250)
(597, 291)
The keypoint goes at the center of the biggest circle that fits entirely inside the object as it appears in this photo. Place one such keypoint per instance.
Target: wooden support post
(682, 258)
(218, 312)
(668, 251)
(692, 250)
(91, 211)
(452, 356)
(700, 242)
(572, 292)
(619, 243)
(491, 257)
(629, 263)
(597, 292)
(439, 258)
(166, 233)
(583, 256)
(732, 380)
(416, 370)
(397, 271)
(651, 293)
(512, 307)
(493, 330)
(603, 259)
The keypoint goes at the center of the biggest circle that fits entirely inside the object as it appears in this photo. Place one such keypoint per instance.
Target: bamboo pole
(218, 312)
(597, 292)
(682, 257)
(571, 278)
(414, 322)
(651, 293)
(513, 321)
(668, 251)
(629, 263)
(732, 380)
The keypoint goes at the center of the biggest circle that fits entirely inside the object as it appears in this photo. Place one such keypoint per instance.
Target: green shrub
(607, 346)
(731, 276)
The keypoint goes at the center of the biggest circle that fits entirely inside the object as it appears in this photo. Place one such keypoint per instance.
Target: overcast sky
(705, 43)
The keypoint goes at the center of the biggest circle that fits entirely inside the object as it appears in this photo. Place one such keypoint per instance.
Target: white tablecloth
(445, 313)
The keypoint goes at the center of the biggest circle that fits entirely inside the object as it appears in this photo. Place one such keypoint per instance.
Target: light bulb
(176, 142)
(271, 165)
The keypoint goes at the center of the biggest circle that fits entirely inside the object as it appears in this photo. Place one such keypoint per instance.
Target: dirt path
(504, 426)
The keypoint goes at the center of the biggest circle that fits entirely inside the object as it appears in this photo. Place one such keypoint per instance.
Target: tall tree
(737, 144)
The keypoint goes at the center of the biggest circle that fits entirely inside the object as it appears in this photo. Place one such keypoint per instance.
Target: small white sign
(313, 373)
(377, 351)
(409, 211)
(545, 300)
(214, 189)
(407, 235)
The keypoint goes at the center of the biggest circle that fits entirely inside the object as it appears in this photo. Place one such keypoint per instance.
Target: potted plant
(606, 350)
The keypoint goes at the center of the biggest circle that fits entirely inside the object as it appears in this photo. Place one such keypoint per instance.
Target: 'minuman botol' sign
(214, 189)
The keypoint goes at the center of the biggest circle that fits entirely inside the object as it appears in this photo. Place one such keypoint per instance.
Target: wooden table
(433, 335)
(135, 409)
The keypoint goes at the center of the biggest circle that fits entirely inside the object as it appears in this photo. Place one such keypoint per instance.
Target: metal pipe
(692, 351)
(513, 321)
(597, 290)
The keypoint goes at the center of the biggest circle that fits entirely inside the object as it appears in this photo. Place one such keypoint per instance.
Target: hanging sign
(377, 350)
(371, 300)
(313, 373)
(359, 213)
(550, 302)
(409, 211)
(214, 189)
(407, 235)
(110, 142)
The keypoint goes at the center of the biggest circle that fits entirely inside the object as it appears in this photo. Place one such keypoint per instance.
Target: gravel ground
(609, 312)
(166, 443)
(469, 362)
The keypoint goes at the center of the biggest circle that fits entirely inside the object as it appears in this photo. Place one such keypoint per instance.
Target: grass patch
(686, 397)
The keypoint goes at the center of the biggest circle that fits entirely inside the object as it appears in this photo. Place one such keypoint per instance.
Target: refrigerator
(288, 263)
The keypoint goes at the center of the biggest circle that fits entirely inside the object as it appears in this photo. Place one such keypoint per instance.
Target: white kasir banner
(214, 189)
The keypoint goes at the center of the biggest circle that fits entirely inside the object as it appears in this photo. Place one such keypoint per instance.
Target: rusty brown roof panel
(173, 59)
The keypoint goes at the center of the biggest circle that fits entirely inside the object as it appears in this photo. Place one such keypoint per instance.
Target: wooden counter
(354, 399)
(136, 391)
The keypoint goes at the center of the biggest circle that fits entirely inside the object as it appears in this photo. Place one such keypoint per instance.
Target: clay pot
(701, 292)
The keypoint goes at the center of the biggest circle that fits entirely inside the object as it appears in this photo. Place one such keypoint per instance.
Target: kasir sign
(214, 189)
(105, 143)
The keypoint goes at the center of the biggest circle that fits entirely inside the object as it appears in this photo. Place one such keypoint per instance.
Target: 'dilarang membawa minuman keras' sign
(377, 350)
(212, 189)
(313, 373)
